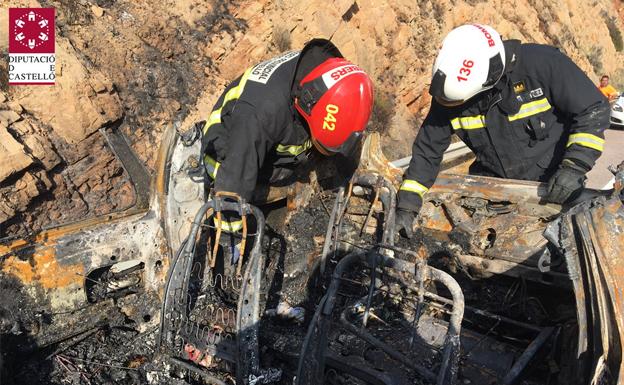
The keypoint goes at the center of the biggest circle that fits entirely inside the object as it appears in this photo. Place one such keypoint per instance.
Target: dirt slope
(146, 65)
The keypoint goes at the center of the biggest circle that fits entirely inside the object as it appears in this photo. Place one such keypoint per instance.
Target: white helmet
(472, 60)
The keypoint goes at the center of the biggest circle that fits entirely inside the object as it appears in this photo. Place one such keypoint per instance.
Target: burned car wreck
(314, 287)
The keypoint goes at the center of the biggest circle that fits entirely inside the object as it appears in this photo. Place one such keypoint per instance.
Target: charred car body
(497, 287)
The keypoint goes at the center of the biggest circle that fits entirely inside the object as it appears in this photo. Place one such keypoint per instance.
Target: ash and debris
(127, 354)
(390, 319)
(109, 356)
(295, 250)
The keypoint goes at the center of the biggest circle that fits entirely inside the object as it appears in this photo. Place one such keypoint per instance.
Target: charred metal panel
(184, 189)
(53, 277)
(62, 280)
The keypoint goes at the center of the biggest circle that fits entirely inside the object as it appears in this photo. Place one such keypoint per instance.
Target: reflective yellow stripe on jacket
(212, 166)
(413, 186)
(586, 140)
(230, 227)
(530, 109)
(478, 121)
(293, 150)
(233, 94)
(468, 122)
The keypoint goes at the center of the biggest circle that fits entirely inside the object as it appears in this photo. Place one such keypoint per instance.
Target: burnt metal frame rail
(315, 352)
(139, 176)
(388, 199)
(175, 307)
(529, 353)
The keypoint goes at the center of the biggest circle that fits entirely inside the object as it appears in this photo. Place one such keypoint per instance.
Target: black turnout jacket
(254, 134)
(544, 109)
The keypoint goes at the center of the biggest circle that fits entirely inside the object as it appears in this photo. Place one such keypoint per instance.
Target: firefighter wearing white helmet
(525, 110)
(472, 60)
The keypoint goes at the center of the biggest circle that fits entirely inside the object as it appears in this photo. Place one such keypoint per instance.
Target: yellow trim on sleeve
(468, 122)
(294, 150)
(212, 166)
(413, 186)
(586, 140)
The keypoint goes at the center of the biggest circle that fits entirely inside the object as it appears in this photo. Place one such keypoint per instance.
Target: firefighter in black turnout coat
(525, 110)
(268, 120)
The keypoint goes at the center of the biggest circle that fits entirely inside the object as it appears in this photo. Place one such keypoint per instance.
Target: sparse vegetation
(4, 72)
(565, 37)
(615, 33)
(595, 58)
(75, 13)
(617, 79)
(438, 10)
(383, 110)
(221, 19)
(281, 38)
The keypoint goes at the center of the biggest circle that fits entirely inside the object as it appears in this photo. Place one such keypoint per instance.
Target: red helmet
(336, 100)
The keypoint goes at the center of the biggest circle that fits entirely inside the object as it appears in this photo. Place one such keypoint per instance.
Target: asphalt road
(600, 177)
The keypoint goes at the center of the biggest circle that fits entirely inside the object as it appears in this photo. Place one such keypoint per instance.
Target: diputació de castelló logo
(32, 58)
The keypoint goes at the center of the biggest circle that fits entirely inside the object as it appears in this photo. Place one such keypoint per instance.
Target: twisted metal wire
(205, 333)
(211, 279)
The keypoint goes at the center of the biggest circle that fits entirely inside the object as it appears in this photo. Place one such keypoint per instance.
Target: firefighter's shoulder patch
(262, 72)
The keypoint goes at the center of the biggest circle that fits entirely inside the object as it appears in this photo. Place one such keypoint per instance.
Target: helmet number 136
(465, 70)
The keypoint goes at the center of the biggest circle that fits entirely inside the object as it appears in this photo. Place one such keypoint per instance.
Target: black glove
(569, 178)
(408, 206)
(405, 222)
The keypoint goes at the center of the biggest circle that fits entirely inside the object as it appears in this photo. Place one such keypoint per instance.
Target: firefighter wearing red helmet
(268, 121)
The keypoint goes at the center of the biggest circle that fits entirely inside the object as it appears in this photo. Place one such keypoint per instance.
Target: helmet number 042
(465, 70)
(329, 122)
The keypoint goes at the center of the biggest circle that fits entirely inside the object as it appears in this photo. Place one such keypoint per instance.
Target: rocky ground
(146, 65)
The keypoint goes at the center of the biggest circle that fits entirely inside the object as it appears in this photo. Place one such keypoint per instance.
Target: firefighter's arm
(247, 148)
(428, 149)
(574, 94)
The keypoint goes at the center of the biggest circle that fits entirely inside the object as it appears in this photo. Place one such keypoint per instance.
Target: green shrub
(615, 33)
(281, 38)
(595, 58)
(383, 110)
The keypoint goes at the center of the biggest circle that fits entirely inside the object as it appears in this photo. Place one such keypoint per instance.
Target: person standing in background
(607, 89)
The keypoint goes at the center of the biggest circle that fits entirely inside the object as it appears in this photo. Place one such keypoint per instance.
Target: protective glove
(408, 207)
(405, 222)
(569, 178)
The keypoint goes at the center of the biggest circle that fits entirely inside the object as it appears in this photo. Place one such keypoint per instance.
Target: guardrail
(456, 153)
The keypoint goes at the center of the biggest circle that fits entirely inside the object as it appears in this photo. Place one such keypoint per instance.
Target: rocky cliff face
(149, 65)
